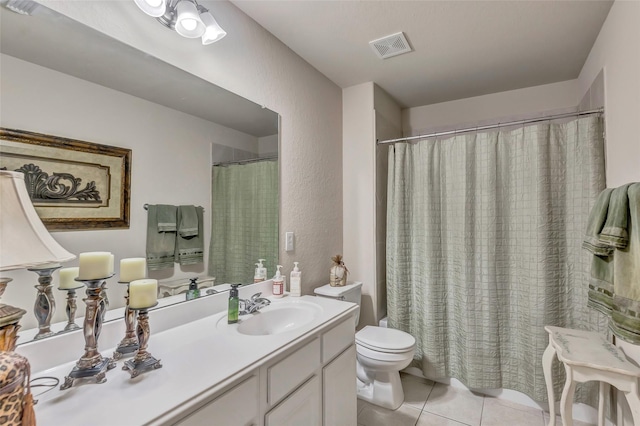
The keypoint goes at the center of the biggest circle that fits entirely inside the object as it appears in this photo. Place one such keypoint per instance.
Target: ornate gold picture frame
(73, 184)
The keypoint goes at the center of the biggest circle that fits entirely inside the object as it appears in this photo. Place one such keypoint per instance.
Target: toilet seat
(385, 340)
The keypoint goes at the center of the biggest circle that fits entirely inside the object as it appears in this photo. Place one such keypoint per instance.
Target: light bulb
(189, 24)
(153, 3)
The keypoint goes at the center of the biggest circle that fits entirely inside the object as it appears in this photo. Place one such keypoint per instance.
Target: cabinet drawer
(302, 408)
(338, 339)
(238, 406)
(287, 374)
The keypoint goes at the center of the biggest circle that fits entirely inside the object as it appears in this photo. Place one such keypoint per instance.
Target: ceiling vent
(393, 45)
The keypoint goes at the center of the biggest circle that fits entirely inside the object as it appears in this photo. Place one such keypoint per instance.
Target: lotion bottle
(193, 292)
(257, 276)
(234, 304)
(278, 283)
(295, 285)
(262, 270)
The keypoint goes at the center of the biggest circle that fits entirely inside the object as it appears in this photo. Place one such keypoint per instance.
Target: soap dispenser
(295, 285)
(260, 274)
(193, 292)
(234, 304)
(278, 283)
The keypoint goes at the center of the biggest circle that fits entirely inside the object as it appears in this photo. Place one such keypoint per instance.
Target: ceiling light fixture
(186, 17)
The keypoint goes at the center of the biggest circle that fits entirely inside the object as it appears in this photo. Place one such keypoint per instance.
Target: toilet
(381, 353)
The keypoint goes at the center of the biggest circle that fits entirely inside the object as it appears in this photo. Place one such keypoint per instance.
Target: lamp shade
(188, 22)
(213, 32)
(153, 8)
(24, 240)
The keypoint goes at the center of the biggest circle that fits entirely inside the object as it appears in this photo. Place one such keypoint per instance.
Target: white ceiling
(461, 48)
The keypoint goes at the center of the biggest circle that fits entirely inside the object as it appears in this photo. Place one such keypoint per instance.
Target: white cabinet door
(339, 390)
(236, 407)
(302, 408)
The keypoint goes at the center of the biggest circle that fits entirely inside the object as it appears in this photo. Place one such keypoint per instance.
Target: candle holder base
(43, 335)
(70, 327)
(98, 371)
(137, 366)
(128, 346)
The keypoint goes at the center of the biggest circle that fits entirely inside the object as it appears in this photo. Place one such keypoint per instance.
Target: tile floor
(433, 404)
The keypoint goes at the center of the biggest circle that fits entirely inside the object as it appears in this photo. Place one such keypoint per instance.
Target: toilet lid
(385, 339)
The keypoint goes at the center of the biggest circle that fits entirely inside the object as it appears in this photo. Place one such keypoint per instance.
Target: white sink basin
(279, 317)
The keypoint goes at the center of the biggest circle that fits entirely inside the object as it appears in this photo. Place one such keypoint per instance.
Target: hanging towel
(160, 245)
(614, 284)
(614, 233)
(190, 249)
(595, 223)
(188, 225)
(166, 218)
(625, 318)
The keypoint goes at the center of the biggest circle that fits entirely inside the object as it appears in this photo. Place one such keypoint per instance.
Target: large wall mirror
(192, 143)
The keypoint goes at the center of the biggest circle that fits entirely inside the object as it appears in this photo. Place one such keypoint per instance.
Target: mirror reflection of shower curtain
(244, 216)
(484, 235)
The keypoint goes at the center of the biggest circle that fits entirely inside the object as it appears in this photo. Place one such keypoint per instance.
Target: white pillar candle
(68, 278)
(95, 265)
(133, 269)
(111, 264)
(143, 293)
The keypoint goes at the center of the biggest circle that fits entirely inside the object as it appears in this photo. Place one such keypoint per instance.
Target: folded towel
(166, 218)
(614, 233)
(188, 225)
(596, 222)
(160, 245)
(190, 250)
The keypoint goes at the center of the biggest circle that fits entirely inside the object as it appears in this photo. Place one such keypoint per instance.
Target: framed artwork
(73, 184)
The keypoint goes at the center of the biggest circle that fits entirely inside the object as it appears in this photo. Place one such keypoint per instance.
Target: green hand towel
(160, 245)
(190, 250)
(166, 218)
(596, 222)
(614, 233)
(188, 224)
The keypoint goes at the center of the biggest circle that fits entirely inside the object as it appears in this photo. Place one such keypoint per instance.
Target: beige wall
(487, 109)
(38, 99)
(251, 62)
(358, 204)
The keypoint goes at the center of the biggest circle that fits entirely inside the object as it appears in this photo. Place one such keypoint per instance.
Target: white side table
(588, 356)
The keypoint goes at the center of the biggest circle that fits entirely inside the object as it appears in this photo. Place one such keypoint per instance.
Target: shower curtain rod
(252, 160)
(493, 126)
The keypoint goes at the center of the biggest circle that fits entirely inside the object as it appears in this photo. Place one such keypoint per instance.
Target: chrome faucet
(253, 305)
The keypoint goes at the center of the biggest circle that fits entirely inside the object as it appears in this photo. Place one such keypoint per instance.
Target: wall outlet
(288, 245)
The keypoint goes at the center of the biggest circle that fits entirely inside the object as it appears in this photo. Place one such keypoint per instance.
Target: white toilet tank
(352, 292)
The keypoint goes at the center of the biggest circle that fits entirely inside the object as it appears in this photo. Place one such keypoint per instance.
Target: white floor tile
(372, 415)
(455, 404)
(498, 412)
(428, 419)
(559, 421)
(416, 390)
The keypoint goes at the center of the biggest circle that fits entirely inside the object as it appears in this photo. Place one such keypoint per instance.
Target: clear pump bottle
(295, 284)
(234, 304)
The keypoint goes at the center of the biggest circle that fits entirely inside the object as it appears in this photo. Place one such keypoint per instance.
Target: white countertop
(198, 359)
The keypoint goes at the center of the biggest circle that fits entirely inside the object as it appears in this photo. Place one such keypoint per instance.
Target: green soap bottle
(234, 301)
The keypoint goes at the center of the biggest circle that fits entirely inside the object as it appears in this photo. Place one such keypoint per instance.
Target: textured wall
(253, 63)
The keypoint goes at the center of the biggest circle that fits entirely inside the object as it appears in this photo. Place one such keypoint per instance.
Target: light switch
(288, 245)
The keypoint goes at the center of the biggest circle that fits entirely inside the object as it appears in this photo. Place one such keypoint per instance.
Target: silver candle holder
(45, 304)
(129, 344)
(71, 309)
(143, 360)
(92, 364)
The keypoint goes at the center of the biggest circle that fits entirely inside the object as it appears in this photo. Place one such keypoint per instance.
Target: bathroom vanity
(293, 362)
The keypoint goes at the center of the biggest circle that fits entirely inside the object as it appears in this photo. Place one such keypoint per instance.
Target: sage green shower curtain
(244, 220)
(484, 236)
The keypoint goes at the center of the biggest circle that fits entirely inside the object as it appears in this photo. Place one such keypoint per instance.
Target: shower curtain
(244, 220)
(484, 236)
